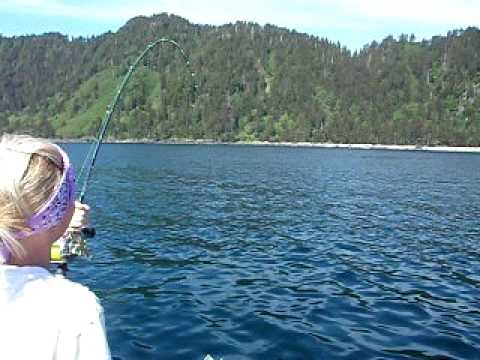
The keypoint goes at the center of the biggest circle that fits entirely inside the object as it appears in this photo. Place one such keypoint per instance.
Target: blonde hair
(30, 170)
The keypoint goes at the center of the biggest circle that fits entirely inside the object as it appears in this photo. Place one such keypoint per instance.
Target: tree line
(252, 83)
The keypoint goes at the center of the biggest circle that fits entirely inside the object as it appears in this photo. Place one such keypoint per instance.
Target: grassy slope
(85, 109)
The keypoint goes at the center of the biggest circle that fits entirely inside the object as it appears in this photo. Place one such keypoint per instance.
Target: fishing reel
(71, 245)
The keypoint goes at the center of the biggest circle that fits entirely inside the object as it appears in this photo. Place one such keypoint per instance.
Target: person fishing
(42, 316)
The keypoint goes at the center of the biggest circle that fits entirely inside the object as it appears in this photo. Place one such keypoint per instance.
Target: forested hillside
(254, 83)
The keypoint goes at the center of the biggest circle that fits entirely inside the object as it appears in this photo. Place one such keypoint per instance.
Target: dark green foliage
(254, 83)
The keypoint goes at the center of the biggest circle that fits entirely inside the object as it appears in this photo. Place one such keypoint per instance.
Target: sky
(353, 23)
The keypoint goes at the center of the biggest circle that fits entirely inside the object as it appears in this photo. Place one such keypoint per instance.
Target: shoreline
(450, 149)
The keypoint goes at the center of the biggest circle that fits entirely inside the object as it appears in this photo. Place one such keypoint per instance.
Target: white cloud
(293, 14)
(427, 12)
(212, 12)
(25, 3)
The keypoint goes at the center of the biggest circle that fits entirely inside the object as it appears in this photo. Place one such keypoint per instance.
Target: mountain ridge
(255, 83)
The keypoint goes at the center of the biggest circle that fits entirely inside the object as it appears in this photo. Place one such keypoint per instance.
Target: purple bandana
(54, 210)
(61, 200)
(5, 254)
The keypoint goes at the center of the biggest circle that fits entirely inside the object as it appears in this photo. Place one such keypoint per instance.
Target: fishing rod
(76, 245)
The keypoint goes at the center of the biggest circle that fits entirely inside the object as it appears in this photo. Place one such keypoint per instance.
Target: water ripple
(277, 253)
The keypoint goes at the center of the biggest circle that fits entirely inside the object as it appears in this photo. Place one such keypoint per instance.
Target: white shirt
(46, 317)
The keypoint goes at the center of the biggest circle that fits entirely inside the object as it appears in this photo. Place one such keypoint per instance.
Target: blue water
(285, 253)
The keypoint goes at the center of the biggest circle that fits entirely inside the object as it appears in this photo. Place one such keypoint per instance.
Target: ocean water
(246, 252)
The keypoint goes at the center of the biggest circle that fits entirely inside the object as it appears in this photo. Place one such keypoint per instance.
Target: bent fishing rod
(76, 245)
(111, 109)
